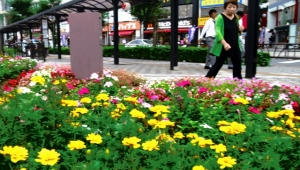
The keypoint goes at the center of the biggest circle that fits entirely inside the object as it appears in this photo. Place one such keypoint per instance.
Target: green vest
(219, 27)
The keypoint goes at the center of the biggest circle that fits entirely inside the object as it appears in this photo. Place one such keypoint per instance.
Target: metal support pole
(58, 36)
(2, 43)
(116, 31)
(174, 34)
(252, 38)
(196, 10)
(30, 31)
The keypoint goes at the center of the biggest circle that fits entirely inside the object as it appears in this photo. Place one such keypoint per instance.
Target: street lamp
(51, 17)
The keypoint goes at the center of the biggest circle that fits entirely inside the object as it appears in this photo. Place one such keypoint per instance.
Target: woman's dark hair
(240, 13)
(234, 2)
(210, 12)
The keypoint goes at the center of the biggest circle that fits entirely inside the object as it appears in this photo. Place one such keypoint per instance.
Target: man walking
(209, 30)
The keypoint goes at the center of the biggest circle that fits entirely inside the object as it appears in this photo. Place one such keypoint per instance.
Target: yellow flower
(165, 137)
(234, 128)
(159, 109)
(219, 148)
(75, 113)
(78, 144)
(178, 135)
(75, 124)
(163, 124)
(273, 114)
(133, 100)
(38, 79)
(241, 100)
(16, 153)
(63, 80)
(226, 162)
(291, 133)
(103, 97)
(131, 141)
(222, 123)
(85, 100)
(137, 114)
(96, 104)
(93, 138)
(23, 169)
(192, 135)
(204, 142)
(290, 123)
(198, 167)
(56, 82)
(152, 122)
(69, 103)
(48, 157)
(151, 145)
(276, 128)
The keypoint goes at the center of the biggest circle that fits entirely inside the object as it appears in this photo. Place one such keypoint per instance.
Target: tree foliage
(20, 9)
(44, 5)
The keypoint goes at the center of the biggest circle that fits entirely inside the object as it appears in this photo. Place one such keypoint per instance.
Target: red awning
(122, 33)
(166, 30)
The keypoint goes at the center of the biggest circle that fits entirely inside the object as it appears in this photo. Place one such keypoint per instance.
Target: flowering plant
(60, 122)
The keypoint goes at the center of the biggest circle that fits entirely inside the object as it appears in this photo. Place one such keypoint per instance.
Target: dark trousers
(235, 56)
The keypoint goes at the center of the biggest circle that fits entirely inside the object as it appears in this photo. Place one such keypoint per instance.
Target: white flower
(283, 96)
(248, 98)
(288, 107)
(115, 98)
(146, 105)
(115, 78)
(85, 126)
(32, 83)
(108, 84)
(206, 126)
(24, 90)
(44, 98)
(103, 91)
(94, 76)
(123, 87)
(37, 94)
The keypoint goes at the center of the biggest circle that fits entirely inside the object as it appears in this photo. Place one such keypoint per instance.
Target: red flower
(254, 110)
(296, 108)
(184, 83)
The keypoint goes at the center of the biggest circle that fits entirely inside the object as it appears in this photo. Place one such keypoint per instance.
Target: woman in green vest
(227, 42)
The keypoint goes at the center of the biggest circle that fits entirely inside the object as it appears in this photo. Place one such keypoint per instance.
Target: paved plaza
(283, 71)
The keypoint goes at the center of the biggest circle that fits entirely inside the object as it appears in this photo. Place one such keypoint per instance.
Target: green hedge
(189, 54)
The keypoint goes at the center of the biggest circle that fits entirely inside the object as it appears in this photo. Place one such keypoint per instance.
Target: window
(185, 11)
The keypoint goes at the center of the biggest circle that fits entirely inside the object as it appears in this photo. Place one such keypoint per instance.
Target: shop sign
(135, 25)
(167, 24)
(202, 21)
(213, 3)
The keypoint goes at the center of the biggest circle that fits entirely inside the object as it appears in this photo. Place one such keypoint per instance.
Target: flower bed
(50, 119)
(11, 67)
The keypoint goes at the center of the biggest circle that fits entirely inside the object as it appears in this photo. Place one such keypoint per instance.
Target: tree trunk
(155, 27)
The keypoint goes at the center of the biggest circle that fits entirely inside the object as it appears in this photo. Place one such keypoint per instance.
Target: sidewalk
(152, 69)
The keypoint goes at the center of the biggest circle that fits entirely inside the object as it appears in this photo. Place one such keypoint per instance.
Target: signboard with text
(213, 3)
(167, 24)
(202, 21)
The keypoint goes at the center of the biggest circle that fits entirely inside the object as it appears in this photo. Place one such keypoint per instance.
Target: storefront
(187, 17)
(127, 31)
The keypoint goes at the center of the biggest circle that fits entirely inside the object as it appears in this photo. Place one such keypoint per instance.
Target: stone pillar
(86, 44)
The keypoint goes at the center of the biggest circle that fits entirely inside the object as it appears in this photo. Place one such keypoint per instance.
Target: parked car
(139, 42)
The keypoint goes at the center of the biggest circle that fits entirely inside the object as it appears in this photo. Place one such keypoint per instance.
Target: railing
(281, 50)
(32, 50)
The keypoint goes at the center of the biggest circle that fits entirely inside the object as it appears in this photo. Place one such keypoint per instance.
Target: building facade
(283, 16)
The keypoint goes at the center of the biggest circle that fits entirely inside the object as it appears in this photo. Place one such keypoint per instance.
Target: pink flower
(70, 86)
(202, 90)
(184, 83)
(254, 110)
(83, 91)
(232, 102)
(114, 101)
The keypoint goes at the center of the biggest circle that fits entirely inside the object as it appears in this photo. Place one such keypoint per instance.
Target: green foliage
(44, 5)
(263, 59)
(21, 9)
(190, 54)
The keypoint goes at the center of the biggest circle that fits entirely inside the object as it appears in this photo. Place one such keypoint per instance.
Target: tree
(150, 12)
(20, 9)
(44, 5)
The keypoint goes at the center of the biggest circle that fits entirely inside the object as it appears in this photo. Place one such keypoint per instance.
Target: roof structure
(64, 10)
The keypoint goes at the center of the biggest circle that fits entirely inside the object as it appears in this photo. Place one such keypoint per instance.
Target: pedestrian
(242, 38)
(272, 38)
(227, 43)
(262, 33)
(209, 30)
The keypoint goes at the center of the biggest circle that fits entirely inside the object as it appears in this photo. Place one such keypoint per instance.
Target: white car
(139, 42)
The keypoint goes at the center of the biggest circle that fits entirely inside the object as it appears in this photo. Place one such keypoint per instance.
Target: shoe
(230, 67)
(207, 67)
